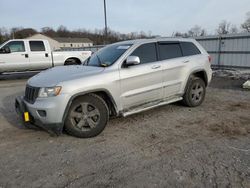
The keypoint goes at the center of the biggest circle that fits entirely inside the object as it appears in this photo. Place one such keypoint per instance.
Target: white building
(62, 43)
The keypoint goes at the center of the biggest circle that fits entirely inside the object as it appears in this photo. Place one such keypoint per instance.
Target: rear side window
(36, 46)
(146, 53)
(16, 46)
(188, 48)
(169, 51)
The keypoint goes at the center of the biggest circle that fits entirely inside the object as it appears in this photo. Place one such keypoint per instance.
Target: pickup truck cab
(119, 80)
(29, 54)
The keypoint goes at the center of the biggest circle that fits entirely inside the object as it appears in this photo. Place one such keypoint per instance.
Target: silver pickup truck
(35, 54)
(121, 79)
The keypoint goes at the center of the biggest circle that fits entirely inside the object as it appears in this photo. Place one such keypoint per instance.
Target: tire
(195, 92)
(87, 116)
(72, 61)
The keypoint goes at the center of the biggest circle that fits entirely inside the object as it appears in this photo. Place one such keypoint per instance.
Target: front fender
(85, 93)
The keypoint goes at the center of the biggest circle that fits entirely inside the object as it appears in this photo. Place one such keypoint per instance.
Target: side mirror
(132, 60)
(5, 50)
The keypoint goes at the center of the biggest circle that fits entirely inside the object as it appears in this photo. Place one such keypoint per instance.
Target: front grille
(31, 93)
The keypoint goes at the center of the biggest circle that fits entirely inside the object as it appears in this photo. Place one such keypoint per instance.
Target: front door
(17, 59)
(142, 83)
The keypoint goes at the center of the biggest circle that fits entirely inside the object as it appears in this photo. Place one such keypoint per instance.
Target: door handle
(26, 55)
(187, 61)
(156, 66)
(46, 55)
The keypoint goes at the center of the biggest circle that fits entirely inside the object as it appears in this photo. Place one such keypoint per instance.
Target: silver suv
(119, 80)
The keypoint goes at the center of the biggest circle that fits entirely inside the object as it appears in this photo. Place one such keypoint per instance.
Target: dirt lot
(171, 146)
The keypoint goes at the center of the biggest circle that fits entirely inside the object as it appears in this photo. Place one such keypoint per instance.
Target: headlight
(49, 91)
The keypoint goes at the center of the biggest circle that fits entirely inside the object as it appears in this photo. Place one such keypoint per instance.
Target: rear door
(173, 66)
(17, 60)
(40, 56)
(142, 83)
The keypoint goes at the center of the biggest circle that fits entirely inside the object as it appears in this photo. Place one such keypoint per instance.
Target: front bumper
(22, 106)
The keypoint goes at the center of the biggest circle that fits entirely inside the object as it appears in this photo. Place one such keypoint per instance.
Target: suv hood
(53, 76)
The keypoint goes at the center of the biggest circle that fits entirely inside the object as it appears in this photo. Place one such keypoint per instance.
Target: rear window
(188, 48)
(36, 46)
(169, 51)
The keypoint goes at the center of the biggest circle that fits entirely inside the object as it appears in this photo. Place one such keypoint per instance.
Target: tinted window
(146, 53)
(37, 46)
(168, 51)
(188, 48)
(16, 46)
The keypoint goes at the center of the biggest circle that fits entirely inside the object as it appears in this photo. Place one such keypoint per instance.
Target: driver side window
(16, 46)
(146, 53)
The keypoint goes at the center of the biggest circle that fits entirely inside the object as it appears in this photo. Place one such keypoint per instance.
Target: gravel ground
(170, 146)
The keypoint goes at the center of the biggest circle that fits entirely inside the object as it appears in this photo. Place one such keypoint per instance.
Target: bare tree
(234, 29)
(246, 24)
(4, 34)
(24, 33)
(203, 32)
(62, 31)
(1, 36)
(97, 36)
(196, 31)
(224, 28)
(179, 34)
(14, 30)
(48, 31)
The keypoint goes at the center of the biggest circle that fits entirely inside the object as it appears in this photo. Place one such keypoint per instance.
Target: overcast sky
(161, 17)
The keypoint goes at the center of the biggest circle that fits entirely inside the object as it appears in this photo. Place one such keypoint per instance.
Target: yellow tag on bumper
(26, 116)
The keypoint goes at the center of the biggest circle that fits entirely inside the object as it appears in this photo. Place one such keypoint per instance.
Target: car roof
(161, 39)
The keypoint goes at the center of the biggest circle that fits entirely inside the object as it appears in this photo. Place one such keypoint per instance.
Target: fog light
(42, 113)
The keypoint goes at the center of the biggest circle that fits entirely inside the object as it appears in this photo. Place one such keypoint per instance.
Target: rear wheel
(195, 92)
(87, 116)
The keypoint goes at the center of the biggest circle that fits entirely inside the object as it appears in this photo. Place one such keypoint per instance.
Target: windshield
(108, 55)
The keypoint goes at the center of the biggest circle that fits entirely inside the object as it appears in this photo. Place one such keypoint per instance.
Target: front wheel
(87, 116)
(195, 92)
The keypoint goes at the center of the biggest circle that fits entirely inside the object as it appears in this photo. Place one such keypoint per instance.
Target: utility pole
(105, 16)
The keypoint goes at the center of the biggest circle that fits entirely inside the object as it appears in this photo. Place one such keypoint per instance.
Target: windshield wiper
(104, 65)
(101, 64)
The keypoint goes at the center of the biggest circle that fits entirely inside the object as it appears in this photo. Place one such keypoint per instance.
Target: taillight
(209, 58)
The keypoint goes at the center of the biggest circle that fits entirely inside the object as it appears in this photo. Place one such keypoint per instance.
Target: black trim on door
(157, 51)
(168, 42)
